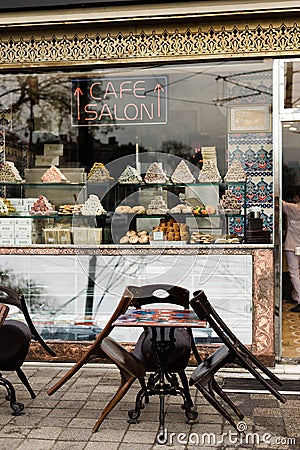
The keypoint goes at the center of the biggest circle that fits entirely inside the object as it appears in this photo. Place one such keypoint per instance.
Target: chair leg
(24, 380)
(123, 388)
(228, 400)
(262, 380)
(93, 352)
(214, 402)
(185, 385)
(261, 366)
(17, 407)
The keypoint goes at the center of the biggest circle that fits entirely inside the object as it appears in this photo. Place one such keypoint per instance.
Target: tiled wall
(254, 150)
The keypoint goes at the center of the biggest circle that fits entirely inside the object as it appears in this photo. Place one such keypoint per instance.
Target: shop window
(195, 112)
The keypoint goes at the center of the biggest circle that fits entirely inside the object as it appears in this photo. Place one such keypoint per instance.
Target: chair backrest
(159, 293)
(127, 300)
(183, 340)
(14, 298)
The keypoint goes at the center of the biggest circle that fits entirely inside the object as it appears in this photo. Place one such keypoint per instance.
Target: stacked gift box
(17, 231)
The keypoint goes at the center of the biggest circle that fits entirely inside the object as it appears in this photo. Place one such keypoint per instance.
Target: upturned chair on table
(233, 351)
(105, 347)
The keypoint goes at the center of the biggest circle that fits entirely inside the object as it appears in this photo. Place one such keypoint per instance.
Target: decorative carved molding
(263, 303)
(188, 40)
(117, 250)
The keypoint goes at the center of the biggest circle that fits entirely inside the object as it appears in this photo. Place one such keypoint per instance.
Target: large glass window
(216, 117)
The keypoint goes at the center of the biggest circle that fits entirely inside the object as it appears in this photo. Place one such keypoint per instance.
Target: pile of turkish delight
(182, 174)
(235, 173)
(42, 207)
(229, 202)
(99, 174)
(157, 206)
(130, 175)
(9, 173)
(155, 174)
(53, 175)
(209, 172)
(93, 206)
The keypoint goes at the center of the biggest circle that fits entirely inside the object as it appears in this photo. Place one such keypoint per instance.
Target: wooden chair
(233, 351)
(105, 347)
(15, 338)
(94, 350)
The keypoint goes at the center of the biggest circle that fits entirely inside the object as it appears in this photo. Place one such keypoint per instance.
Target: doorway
(290, 183)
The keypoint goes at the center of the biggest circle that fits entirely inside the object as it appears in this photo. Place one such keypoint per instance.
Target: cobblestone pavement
(65, 420)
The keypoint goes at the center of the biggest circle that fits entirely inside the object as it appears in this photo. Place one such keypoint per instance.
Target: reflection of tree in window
(41, 108)
(33, 293)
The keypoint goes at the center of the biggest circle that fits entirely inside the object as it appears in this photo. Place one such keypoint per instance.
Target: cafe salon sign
(119, 101)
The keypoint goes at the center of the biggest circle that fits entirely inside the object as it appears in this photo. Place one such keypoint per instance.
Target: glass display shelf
(22, 184)
(170, 184)
(51, 216)
(157, 216)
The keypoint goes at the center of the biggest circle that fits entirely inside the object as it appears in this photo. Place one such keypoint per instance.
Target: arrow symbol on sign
(158, 88)
(77, 94)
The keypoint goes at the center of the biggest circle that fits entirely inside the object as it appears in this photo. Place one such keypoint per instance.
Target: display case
(172, 213)
(48, 213)
(195, 208)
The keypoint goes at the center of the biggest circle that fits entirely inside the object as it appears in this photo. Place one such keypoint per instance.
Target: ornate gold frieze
(190, 40)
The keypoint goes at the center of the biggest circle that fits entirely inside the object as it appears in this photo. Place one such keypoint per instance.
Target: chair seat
(210, 365)
(15, 338)
(122, 358)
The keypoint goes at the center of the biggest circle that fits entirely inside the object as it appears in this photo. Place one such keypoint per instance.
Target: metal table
(162, 382)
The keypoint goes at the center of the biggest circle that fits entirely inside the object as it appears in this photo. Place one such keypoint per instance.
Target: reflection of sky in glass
(197, 107)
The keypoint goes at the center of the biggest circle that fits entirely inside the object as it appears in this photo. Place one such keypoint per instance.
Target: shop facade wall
(188, 38)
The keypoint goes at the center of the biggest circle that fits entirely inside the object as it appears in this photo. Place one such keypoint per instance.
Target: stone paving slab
(64, 421)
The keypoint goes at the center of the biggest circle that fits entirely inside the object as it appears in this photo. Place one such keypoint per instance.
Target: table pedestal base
(162, 384)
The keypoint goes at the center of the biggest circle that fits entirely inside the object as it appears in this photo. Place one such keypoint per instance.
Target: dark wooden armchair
(15, 338)
(233, 351)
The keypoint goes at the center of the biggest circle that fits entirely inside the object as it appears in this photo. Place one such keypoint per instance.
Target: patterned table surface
(160, 317)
